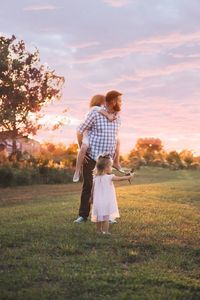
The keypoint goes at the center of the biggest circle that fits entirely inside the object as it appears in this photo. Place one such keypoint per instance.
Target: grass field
(153, 252)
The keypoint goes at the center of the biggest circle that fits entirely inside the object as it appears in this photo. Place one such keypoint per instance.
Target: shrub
(143, 161)
(6, 176)
(183, 164)
(12, 176)
(22, 176)
(51, 175)
(195, 166)
(55, 176)
(165, 164)
(156, 163)
(174, 166)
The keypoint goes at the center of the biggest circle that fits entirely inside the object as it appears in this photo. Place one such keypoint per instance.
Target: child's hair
(103, 161)
(97, 100)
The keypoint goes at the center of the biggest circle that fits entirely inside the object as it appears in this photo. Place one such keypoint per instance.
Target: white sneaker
(106, 233)
(76, 177)
(80, 220)
(112, 222)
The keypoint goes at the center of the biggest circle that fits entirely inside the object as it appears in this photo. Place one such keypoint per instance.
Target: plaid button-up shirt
(102, 134)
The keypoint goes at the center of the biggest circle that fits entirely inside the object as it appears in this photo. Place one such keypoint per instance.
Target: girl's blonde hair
(103, 161)
(97, 100)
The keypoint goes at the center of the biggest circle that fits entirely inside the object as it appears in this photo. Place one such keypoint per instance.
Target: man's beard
(117, 107)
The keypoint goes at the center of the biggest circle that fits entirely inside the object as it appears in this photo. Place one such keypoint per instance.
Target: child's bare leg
(79, 161)
(99, 227)
(105, 226)
(116, 162)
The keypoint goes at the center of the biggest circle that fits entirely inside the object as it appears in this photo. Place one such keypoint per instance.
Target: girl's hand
(112, 117)
(130, 176)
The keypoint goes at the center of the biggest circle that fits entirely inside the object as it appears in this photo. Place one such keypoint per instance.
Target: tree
(56, 152)
(173, 157)
(25, 87)
(149, 147)
(187, 156)
(149, 144)
(72, 149)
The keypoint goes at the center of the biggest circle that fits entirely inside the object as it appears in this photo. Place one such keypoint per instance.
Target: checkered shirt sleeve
(102, 133)
(88, 123)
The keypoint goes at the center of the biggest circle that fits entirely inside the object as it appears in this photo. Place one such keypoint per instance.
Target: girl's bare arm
(121, 178)
(79, 138)
(111, 117)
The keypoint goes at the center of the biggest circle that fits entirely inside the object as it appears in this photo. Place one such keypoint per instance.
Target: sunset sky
(147, 49)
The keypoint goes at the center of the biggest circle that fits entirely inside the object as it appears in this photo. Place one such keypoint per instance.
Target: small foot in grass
(106, 233)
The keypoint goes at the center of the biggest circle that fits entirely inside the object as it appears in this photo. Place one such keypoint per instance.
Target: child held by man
(97, 103)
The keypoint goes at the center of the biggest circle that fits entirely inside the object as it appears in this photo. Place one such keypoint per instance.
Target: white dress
(104, 199)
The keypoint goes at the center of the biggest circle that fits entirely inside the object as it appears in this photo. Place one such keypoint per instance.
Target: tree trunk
(14, 146)
(14, 140)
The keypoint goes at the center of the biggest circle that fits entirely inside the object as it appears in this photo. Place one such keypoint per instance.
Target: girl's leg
(105, 225)
(79, 162)
(116, 162)
(99, 227)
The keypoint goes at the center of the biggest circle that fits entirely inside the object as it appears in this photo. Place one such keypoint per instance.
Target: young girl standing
(97, 103)
(104, 200)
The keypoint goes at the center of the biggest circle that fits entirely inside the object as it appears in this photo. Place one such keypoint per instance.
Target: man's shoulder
(92, 113)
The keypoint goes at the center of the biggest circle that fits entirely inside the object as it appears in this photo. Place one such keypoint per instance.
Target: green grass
(153, 253)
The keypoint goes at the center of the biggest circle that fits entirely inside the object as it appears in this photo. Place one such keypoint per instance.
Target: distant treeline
(55, 164)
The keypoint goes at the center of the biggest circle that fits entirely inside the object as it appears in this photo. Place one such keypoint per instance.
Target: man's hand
(86, 159)
(112, 117)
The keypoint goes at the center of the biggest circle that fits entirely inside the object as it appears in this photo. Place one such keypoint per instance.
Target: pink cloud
(40, 7)
(113, 53)
(150, 45)
(142, 74)
(117, 3)
(167, 70)
(83, 45)
(185, 56)
(175, 38)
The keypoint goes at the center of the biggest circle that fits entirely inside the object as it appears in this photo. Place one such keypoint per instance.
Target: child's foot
(106, 233)
(76, 177)
(99, 232)
(113, 221)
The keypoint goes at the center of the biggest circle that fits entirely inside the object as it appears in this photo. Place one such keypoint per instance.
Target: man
(103, 136)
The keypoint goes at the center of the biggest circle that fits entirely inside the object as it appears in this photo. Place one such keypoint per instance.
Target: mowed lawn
(153, 252)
